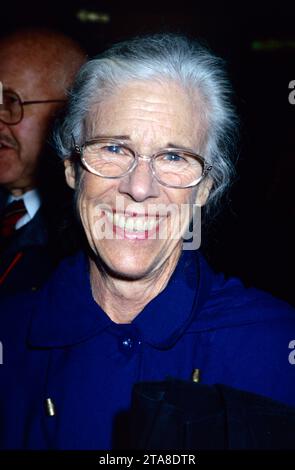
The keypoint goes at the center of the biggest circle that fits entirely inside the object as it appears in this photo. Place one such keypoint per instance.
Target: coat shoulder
(231, 303)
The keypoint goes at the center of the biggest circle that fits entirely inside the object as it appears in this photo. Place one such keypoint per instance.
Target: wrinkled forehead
(149, 111)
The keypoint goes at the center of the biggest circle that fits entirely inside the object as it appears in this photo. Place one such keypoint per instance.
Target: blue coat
(68, 370)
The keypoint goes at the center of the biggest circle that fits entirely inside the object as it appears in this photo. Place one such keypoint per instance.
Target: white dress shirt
(32, 202)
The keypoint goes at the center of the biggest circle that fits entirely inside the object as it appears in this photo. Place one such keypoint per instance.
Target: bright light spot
(86, 16)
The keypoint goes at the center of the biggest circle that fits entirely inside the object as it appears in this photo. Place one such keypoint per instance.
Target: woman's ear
(70, 173)
(204, 191)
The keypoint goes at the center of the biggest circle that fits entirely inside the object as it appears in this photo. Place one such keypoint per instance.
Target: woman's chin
(129, 266)
(128, 259)
(129, 271)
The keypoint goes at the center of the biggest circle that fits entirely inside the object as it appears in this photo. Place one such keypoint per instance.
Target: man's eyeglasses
(12, 107)
(172, 167)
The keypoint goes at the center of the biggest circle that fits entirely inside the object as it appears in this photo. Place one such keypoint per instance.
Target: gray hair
(160, 57)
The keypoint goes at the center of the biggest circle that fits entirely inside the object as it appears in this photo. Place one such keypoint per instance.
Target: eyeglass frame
(25, 103)
(79, 151)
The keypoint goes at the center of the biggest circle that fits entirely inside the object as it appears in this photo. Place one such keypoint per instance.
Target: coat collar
(65, 312)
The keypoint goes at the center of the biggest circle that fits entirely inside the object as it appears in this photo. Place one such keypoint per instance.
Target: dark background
(253, 237)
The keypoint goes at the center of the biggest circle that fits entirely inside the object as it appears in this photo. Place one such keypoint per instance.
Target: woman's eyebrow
(118, 137)
(178, 146)
(127, 137)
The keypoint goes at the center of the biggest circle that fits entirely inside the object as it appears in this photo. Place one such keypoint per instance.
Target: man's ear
(70, 173)
(204, 191)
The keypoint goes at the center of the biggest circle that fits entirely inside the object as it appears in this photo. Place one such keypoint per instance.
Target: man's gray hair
(160, 57)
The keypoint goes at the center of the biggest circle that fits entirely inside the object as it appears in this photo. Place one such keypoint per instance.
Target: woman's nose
(140, 184)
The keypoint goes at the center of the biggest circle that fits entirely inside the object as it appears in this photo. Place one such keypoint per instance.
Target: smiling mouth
(133, 224)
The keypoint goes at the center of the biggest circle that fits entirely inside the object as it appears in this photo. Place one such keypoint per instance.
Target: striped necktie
(12, 213)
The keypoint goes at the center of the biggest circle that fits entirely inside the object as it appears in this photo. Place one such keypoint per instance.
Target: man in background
(36, 69)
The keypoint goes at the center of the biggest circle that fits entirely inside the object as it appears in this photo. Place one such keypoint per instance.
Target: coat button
(128, 344)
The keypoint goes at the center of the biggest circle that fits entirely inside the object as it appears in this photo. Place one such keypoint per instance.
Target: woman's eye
(114, 148)
(173, 157)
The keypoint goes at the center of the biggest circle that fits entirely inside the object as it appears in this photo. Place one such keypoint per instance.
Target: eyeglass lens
(177, 168)
(10, 108)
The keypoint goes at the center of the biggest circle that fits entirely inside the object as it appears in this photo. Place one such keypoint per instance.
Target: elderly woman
(146, 138)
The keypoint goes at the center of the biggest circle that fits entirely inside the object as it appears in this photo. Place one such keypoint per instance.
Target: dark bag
(185, 415)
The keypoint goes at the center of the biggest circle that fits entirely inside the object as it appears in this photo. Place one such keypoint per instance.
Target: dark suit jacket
(26, 261)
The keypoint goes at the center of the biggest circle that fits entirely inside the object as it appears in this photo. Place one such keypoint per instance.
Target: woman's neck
(123, 299)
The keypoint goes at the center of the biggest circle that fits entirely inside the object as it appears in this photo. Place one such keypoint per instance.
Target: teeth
(138, 225)
(151, 224)
(109, 216)
(131, 224)
(120, 219)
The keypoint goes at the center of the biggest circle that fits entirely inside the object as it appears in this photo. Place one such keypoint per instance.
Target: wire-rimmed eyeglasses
(171, 167)
(11, 107)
